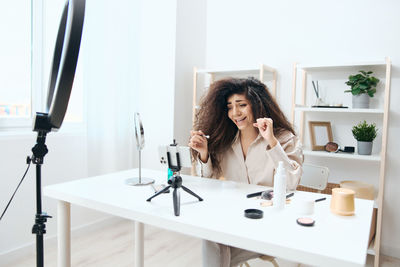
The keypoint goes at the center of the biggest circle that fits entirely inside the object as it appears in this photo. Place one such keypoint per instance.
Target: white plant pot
(360, 101)
(364, 148)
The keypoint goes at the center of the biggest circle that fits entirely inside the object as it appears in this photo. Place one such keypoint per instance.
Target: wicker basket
(327, 190)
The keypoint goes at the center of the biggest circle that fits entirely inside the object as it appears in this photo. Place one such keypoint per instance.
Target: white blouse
(261, 161)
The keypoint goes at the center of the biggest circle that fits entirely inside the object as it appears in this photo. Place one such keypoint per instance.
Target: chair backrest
(315, 177)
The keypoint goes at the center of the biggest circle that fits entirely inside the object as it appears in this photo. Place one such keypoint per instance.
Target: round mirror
(139, 132)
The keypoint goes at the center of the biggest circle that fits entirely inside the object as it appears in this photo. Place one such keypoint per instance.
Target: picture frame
(320, 134)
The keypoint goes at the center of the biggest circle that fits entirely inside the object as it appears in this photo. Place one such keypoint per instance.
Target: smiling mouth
(237, 121)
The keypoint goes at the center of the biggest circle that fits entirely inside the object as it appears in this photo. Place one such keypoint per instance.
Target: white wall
(278, 33)
(157, 75)
(110, 54)
(191, 36)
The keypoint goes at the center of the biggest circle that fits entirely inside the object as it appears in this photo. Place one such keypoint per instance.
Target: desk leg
(64, 234)
(139, 244)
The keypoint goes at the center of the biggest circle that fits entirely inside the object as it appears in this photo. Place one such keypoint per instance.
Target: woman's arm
(290, 151)
(286, 147)
(204, 169)
(198, 142)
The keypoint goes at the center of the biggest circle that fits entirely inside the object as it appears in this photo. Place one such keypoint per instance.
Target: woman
(247, 136)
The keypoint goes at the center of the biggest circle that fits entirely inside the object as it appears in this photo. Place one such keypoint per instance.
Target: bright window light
(15, 59)
(28, 33)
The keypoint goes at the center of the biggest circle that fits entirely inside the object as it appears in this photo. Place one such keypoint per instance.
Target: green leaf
(356, 91)
(362, 83)
(371, 92)
(364, 131)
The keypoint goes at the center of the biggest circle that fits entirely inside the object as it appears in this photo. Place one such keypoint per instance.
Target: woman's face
(239, 111)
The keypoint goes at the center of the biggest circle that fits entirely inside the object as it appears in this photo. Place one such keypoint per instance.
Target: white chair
(315, 177)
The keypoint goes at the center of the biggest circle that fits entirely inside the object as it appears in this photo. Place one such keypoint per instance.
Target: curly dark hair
(212, 117)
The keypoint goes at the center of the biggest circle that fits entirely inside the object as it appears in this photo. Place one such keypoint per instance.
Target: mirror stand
(139, 180)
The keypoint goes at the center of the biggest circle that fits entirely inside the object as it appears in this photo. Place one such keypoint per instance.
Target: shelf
(341, 110)
(233, 71)
(339, 155)
(346, 65)
(333, 73)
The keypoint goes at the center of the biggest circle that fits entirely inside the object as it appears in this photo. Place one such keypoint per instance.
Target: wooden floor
(112, 246)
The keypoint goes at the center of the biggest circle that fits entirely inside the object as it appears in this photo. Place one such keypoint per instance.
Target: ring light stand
(139, 133)
(62, 75)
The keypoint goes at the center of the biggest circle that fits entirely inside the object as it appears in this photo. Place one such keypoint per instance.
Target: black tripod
(175, 182)
(39, 151)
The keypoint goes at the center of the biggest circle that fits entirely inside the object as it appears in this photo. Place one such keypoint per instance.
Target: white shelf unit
(340, 110)
(382, 113)
(342, 155)
(263, 73)
(342, 65)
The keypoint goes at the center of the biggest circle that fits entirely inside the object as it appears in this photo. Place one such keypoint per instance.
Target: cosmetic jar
(304, 206)
(342, 201)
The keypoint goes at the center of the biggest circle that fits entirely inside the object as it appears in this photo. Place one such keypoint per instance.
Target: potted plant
(363, 86)
(364, 133)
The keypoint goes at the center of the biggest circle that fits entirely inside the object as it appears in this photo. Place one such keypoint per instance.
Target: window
(15, 59)
(29, 29)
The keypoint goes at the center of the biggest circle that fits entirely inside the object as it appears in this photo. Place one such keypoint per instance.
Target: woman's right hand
(198, 142)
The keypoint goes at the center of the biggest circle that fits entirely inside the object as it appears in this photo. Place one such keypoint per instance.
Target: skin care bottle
(279, 187)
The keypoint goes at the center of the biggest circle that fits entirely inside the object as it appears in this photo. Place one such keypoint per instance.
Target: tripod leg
(158, 193)
(191, 192)
(177, 201)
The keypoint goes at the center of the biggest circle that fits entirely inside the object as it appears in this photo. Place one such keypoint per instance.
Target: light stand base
(135, 181)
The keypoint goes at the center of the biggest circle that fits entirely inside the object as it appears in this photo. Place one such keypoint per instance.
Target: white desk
(332, 241)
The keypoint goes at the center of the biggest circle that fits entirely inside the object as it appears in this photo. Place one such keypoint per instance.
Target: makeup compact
(253, 213)
(305, 221)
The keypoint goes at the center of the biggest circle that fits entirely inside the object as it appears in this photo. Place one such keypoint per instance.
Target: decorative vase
(319, 102)
(360, 101)
(364, 148)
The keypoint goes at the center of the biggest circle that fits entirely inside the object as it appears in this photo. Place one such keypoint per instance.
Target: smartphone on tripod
(175, 151)
(176, 157)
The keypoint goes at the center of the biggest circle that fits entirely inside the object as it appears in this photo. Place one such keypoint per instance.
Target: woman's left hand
(266, 128)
